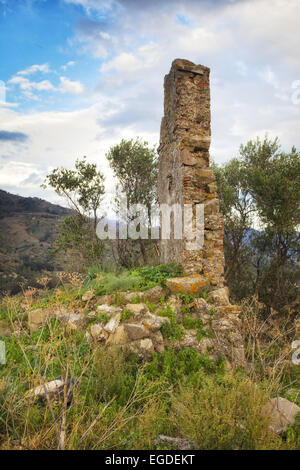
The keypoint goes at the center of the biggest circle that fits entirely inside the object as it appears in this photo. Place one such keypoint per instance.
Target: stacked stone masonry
(184, 173)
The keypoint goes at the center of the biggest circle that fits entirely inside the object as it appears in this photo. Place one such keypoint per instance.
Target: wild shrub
(159, 274)
(172, 329)
(223, 414)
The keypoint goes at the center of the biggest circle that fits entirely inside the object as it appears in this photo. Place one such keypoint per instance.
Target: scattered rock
(192, 284)
(205, 345)
(200, 306)
(92, 315)
(118, 338)
(38, 318)
(128, 296)
(73, 321)
(144, 347)
(88, 295)
(153, 322)
(98, 333)
(108, 310)
(135, 331)
(104, 299)
(175, 304)
(113, 323)
(136, 309)
(227, 310)
(154, 295)
(220, 296)
(158, 342)
(282, 413)
(53, 390)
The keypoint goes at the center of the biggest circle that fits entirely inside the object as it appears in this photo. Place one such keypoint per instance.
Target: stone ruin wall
(184, 172)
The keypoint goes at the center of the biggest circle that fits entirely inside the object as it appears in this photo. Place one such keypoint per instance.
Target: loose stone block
(193, 284)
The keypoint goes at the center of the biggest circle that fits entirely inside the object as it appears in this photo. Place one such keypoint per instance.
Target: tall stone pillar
(184, 173)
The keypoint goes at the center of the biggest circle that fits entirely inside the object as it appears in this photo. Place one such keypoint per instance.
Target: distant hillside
(28, 229)
(11, 203)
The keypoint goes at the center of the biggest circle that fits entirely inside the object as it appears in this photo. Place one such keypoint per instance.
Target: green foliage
(190, 323)
(273, 181)
(151, 307)
(135, 166)
(186, 366)
(172, 329)
(108, 283)
(136, 279)
(136, 299)
(182, 393)
(186, 298)
(166, 312)
(293, 434)
(118, 299)
(204, 332)
(224, 413)
(125, 315)
(102, 318)
(159, 274)
(204, 295)
(78, 236)
(83, 189)
(262, 185)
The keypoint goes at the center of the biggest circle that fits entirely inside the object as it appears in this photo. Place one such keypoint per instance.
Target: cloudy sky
(77, 76)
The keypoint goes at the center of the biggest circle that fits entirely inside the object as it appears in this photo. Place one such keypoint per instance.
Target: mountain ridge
(29, 227)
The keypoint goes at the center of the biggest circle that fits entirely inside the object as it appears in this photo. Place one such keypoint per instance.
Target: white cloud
(71, 63)
(269, 77)
(13, 173)
(242, 68)
(7, 104)
(251, 46)
(123, 63)
(93, 5)
(69, 86)
(27, 86)
(35, 68)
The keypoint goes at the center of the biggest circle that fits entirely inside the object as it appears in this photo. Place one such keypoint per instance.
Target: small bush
(159, 274)
(102, 318)
(191, 323)
(202, 332)
(125, 315)
(171, 330)
(186, 365)
(223, 414)
(186, 298)
(204, 295)
(108, 283)
(151, 307)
